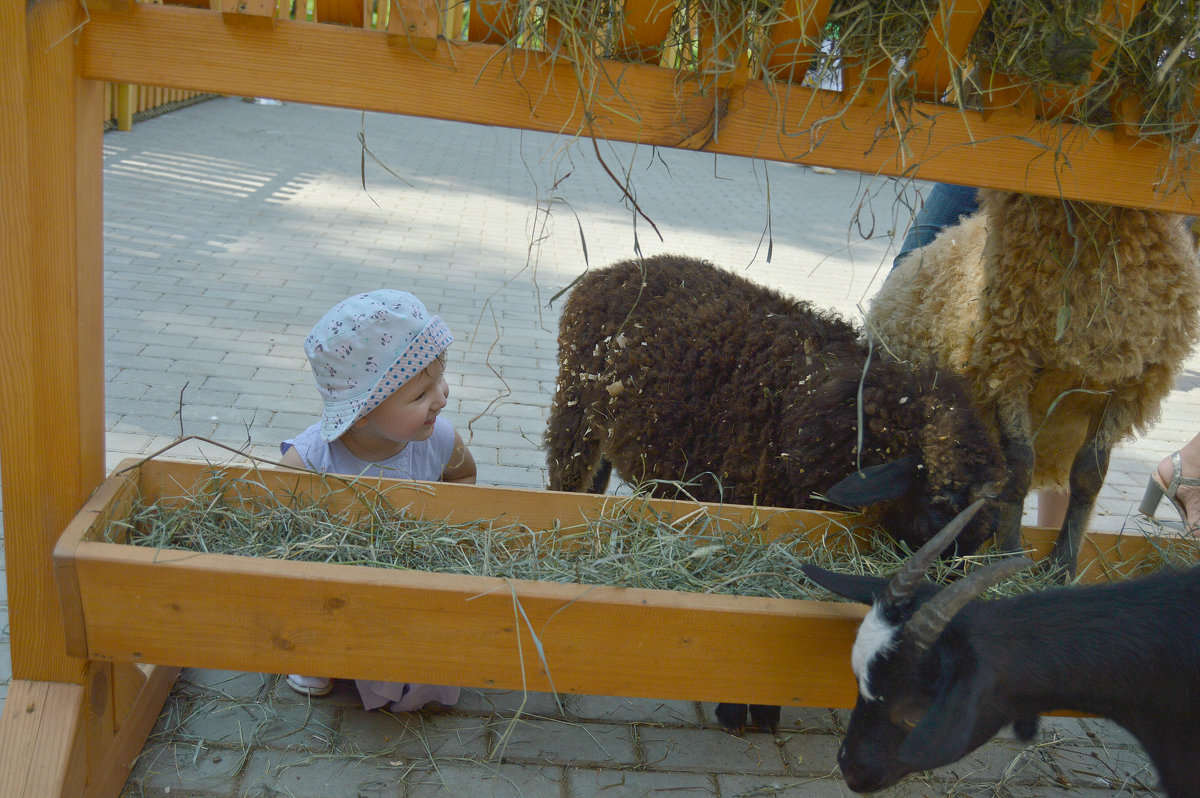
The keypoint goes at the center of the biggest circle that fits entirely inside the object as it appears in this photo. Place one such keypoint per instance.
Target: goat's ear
(875, 484)
(862, 589)
(944, 735)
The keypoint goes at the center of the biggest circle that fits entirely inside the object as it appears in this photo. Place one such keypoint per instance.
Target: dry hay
(1039, 49)
(629, 545)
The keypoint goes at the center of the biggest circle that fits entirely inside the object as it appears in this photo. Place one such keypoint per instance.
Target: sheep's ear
(875, 484)
(944, 734)
(862, 589)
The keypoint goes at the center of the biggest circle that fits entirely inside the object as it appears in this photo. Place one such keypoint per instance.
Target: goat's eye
(906, 714)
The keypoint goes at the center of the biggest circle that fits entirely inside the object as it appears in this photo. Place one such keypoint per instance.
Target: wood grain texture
(40, 743)
(242, 613)
(488, 84)
(218, 611)
(945, 48)
(53, 453)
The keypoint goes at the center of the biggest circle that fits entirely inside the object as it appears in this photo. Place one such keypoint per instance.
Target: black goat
(939, 673)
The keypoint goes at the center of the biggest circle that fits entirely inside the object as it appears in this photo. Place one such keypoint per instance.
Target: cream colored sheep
(1070, 320)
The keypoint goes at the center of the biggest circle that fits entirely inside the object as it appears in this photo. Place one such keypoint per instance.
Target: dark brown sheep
(672, 369)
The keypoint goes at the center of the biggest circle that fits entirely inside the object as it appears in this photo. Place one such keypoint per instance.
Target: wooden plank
(416, 23)
(479, 83)
(110, 500)
(798, 26)
(57, 740)
(39, 740)
(217, 611)
(644, 27)
(944, 50)
(493, 21)
(338, 12)
(137, 695)
(52, 285)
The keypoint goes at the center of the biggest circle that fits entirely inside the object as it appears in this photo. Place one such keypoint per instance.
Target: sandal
(311, 686)
(1155, 490)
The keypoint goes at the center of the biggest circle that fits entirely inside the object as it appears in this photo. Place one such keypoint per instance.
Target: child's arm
(461, 466)
(292, 458)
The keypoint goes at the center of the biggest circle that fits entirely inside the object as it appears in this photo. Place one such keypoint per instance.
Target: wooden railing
(512, 69)
(124, 102)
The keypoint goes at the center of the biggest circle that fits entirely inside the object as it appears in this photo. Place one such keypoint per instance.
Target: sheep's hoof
(766, 718)
(1026, 728)
(733, 717)
(736, 718)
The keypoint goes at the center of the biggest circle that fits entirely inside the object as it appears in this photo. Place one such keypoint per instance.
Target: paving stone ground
(230, 227)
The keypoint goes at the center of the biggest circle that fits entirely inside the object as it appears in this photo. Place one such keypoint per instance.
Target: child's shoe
(311, 686)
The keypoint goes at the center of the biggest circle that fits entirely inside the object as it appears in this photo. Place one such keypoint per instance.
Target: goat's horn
(926, 624)
(904, 582)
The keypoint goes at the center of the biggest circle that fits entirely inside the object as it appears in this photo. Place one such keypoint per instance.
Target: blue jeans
(944, 206)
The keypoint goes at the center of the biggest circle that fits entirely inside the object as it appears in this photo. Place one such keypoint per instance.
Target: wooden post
(125, 95)
(793, 38)
(61, 718)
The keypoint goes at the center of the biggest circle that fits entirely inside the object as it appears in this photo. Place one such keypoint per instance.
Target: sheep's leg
(1088, 471)
(601, 476)
(1016, 442)
(573, 452)
(734, 718)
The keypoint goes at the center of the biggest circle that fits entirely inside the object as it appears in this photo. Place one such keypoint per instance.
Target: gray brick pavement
(230, 227)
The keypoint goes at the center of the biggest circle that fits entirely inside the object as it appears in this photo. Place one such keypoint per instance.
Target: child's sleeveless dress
(424, 460)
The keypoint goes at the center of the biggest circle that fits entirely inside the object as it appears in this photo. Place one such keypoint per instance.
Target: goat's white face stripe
(875, 636)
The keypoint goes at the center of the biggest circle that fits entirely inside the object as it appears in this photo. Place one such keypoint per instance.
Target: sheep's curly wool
(673, 369)
(1069, 319)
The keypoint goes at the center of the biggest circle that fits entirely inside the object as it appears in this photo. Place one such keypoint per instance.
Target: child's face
(408, 414)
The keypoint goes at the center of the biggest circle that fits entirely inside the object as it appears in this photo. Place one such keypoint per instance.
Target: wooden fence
(125, 103)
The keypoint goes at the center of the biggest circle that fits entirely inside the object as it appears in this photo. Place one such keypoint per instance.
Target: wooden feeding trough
(247, 613)
(82, 699)
(253, 613)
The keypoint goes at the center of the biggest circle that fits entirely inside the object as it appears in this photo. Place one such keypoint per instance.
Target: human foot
(1179, 480)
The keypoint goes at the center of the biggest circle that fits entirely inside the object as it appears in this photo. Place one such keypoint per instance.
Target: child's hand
(461, 467)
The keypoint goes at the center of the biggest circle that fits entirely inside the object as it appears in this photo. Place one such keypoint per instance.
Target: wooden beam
(59, 729)
(792, 36)
(489, 84)
(643, 31)
(942, 54)
(493, 21)
(415, 23)
(125, 103)
(53, 284)
(68, 740)
(218, 611)
(40, 739)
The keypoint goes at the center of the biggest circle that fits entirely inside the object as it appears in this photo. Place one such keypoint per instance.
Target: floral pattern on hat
(365, 348)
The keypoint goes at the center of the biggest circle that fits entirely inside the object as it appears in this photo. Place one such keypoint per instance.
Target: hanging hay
(631, 545)
(1028, 52)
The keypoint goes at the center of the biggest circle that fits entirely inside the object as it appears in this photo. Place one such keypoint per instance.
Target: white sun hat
(365, 348)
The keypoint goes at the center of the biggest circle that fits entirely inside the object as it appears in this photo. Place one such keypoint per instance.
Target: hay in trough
(629, 545)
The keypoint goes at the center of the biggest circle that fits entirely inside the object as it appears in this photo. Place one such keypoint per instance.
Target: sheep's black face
(917, 517)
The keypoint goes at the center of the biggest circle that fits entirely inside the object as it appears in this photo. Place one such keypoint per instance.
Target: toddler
(378, 360)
